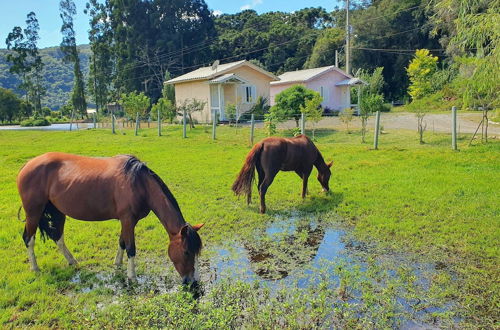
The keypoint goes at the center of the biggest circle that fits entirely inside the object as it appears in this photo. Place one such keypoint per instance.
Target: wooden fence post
(71, 120)
(214, 125)
(377, 130)
(159, 123)
(302, 124)
(184, 135)
(136, 123)
(454, 128)
(252, 129)
(113, 122)
(93, 119)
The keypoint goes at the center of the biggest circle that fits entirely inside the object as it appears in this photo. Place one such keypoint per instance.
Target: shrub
(35, 122)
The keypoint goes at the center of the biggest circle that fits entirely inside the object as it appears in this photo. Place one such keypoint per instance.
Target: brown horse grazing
(273, 154)
(54, 185)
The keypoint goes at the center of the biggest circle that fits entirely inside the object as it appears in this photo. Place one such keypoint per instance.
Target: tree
(10, 106)
(67, 10)
(313, 111)
(370, 103)
(26, 60)
(230, 111)
(168, 90)
(324, 49)
(191, 106)
(101, 65)
(135, 103)
(346, 117)
(290, 101)
(166, 108)
(420, 71)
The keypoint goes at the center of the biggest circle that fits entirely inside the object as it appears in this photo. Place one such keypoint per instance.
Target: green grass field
(425, 202)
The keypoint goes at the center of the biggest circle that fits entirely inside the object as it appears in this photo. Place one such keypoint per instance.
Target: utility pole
(336, 58)
(347, 41)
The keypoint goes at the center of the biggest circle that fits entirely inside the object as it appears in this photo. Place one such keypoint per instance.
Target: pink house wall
(334, 97)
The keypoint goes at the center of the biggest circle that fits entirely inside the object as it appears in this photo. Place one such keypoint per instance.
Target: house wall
(199, 90)
(255, 78)
(334, 97)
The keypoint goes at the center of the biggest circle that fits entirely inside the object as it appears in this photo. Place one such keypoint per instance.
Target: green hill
(58, 76)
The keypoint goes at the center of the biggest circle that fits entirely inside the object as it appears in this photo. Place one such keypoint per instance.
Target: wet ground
(301, 251)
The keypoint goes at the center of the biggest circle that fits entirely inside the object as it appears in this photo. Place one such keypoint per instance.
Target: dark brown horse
(54, 185)
(273, 154)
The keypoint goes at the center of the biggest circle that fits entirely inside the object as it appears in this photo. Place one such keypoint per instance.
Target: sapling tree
(135, 103)
(191, 106)
(313, 111)
(420, 71)
(166, 108)
(346, 117)
(370, 103)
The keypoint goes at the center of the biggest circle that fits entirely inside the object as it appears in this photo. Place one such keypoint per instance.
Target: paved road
(467, 122)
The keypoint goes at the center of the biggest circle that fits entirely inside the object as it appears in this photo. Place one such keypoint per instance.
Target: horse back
(82, 187)
(290, 154)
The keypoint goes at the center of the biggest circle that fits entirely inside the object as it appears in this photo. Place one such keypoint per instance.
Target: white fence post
(454, 128)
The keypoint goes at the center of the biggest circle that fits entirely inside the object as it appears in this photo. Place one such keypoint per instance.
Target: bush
(35, 122)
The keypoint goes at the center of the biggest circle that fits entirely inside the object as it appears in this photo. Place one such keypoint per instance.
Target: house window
(321, 92)
(249, 94)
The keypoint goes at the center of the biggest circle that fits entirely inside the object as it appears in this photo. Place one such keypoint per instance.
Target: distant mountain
(58, 76)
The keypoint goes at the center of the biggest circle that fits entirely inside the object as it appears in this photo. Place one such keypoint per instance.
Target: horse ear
(184, 230)
(198, 226)
(330, 164)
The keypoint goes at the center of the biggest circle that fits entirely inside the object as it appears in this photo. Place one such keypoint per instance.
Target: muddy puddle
(302, 251)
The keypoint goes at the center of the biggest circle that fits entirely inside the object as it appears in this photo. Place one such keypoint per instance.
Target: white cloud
(217, 12)
(251, 5)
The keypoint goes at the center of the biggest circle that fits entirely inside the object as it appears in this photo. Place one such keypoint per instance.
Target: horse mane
(134, 169)
(193, 240)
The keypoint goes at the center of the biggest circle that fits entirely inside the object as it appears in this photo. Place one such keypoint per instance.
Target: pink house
(332, 83)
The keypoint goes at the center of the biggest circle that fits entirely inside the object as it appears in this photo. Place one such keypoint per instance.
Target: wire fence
(258, 126)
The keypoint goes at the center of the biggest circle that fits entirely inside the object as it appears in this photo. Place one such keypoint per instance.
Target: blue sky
(13, 12)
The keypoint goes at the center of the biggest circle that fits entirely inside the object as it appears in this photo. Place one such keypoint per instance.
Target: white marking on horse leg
(31, 254)
(131, 269)
(196, 275)
(64, 250)
(119, 256)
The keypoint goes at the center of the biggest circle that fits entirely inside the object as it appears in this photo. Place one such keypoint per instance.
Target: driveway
(466, 122)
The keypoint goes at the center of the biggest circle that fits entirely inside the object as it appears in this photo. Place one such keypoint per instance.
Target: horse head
(183, 250)
(324, 174)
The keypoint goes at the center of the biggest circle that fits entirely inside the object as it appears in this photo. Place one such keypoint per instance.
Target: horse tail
(50, 223)
(243, 184)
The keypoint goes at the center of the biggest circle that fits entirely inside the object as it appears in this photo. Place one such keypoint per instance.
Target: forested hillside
(58, 76)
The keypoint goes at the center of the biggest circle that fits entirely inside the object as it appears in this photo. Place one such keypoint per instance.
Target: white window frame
(247, 99)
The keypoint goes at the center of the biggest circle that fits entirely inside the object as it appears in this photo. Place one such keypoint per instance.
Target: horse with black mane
(273, 154)
(54, 185)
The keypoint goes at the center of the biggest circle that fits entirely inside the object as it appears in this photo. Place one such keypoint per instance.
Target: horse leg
(129, 239)
(58, 220)
(33, 216)
(119, 253)
(268, 179)
(261, 174)
(305, 179)
(64, 250)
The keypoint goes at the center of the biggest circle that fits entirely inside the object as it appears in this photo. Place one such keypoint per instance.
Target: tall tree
(67, 10)
(26, 60)
(101, 64)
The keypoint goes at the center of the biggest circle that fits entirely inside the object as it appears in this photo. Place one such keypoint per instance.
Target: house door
(217, 100)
